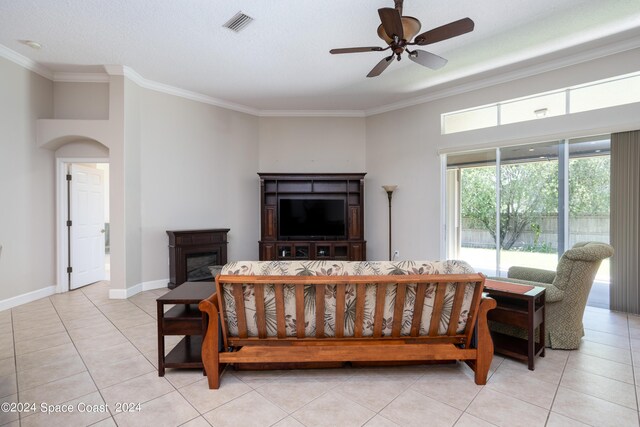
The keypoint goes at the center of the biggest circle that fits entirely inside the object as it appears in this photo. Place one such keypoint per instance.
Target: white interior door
(87, 225)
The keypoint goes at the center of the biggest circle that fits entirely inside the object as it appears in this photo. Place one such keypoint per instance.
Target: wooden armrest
(210, 356)
(484, 344)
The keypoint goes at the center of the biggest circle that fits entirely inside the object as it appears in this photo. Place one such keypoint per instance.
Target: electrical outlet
(396, 254)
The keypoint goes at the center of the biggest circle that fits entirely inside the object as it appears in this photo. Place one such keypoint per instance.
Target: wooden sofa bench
(287, 312)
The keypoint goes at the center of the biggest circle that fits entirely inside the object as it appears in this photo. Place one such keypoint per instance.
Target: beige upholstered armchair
(567, 290)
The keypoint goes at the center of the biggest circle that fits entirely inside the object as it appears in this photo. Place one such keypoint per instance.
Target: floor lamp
(389, 189)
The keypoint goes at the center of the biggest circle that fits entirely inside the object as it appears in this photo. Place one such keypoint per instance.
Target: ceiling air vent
(238, 22)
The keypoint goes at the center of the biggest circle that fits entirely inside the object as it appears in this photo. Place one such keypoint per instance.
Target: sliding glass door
(471, 209)
(525, 205)
(529, 206)
(588, 201)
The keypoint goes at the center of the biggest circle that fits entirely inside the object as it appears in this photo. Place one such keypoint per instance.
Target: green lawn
(485, 259)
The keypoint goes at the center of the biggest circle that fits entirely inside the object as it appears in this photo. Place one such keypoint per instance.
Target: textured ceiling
(281, 61)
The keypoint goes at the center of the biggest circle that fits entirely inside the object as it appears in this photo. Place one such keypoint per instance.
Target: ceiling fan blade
(380, 67)
(356, 49)
(444, 32)
(427, 59)
(391, 22)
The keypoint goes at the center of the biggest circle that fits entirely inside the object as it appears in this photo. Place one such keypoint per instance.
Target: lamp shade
(389, 188)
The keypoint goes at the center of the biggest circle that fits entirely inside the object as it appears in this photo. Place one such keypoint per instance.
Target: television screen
(312, 218)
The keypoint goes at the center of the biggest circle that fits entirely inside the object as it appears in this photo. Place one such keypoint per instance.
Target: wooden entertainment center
(344, 241)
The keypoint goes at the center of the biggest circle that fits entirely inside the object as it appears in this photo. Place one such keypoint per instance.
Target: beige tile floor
(84, 351)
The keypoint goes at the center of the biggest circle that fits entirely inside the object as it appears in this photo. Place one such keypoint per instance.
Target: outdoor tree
(529, 193)
(589, 186)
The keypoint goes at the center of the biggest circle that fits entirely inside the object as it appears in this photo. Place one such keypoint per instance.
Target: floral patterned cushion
(343, 268)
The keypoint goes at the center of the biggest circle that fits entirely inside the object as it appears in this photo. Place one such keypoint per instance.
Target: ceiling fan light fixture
(410, 26)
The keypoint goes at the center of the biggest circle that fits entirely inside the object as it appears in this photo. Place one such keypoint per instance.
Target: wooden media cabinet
(346, 187)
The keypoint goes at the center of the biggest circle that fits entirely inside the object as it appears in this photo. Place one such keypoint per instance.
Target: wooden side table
(523, 310)
(183, 319)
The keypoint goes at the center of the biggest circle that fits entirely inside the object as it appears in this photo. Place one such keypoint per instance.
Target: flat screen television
(311, 219)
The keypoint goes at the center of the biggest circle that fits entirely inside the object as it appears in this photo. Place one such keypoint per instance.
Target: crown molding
(80, 77)
(587, 54)
(25, 62)
(194, 96)
(114, 70)
(565, 61)
(312, 113)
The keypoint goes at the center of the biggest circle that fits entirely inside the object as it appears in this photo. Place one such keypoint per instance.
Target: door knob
(102, 231)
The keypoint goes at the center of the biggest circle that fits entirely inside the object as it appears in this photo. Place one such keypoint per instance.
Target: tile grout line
(15, 365)
(49, 382)
(15, 358)
(291, 414)
(235, 398)
(633, 370)
(580, 370)
(143, 355)
(90, 301)
(378, 413)
(80, 355)
(491, 374)
(139, 350)
(609, 360)
(430, 397)
(553, 401)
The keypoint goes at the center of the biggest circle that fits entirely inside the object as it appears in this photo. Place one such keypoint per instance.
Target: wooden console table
(523, 310)
(183, 319)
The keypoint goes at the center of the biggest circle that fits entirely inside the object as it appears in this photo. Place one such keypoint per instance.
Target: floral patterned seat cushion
(343, 268)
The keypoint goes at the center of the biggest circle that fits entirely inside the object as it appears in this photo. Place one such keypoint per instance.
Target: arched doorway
(82, 213)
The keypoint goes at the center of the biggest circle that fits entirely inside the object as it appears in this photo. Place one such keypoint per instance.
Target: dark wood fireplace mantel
(191, 252)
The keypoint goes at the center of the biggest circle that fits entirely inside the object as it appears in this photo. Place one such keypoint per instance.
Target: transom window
(605, 93)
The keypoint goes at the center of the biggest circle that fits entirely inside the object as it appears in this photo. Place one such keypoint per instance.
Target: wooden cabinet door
(269, 225)
(355, 225)
(357, 251)
(267, 251)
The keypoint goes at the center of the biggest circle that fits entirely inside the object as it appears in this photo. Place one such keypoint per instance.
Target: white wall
(312, 144)
(198, 170)
(398, 152)
(80, 100)
(403, 147)
(133, 182)
(27, 185)
(83, 148)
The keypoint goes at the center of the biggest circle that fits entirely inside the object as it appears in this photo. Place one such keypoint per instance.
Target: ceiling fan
(397, 31)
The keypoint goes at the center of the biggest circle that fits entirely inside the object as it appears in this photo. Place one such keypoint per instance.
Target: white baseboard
(136, 289)
(28, 297)
(155, 284)
(125, 293)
